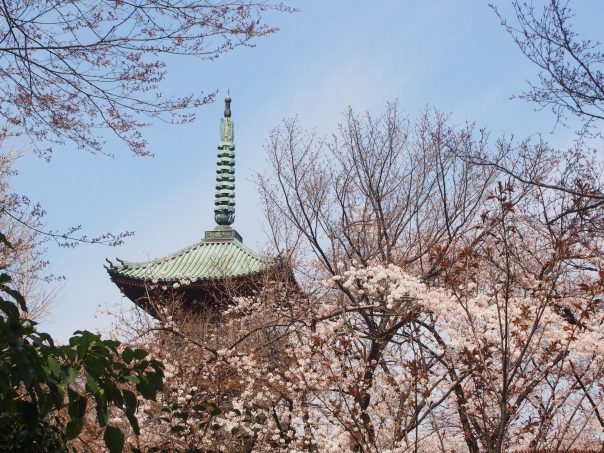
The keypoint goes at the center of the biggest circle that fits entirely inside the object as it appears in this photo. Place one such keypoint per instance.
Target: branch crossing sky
(446, 54)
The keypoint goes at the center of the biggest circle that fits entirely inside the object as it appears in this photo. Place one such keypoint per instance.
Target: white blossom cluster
(292, 377)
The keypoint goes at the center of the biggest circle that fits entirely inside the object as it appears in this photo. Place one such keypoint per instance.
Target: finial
(227, 104)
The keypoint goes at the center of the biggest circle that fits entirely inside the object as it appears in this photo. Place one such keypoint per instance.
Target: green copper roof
(220, 255)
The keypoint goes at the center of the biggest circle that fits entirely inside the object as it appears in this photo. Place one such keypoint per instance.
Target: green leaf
(102, 411)
(10, 309)
(182, 415)
(69, 353)
(128, 355)
(46, 401)
(145, 390)
(111, 344)
(156, 380)
(72, 374)
(133, 379)
(113, 393)
(140, 354)
(92, 382)
(134, 423)
(55, 366)
(130, 400)
(5, 241)
(83, 339)
(98, 365)
(76, 410)
(114, 439)
(177, 429)
(17, 296)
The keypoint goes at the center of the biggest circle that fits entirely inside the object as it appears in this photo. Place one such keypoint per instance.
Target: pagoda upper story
(210, 272)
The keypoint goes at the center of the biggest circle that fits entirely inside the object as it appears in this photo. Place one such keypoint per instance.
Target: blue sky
(452, 55)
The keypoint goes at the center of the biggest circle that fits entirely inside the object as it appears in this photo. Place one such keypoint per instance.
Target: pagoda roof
(221, 255)
(211, 272)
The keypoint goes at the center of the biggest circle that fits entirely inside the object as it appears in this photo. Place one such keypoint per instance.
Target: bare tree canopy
(571, 68)
(21, 222)
(380, 188)
(71, 69)
(571, 83)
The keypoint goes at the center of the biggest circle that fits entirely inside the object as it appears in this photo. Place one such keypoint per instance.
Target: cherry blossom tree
(278, 374)
(526, 310)
(436, 307)
(70, 69)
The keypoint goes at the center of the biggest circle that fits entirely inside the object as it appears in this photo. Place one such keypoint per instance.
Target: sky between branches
(452, 55)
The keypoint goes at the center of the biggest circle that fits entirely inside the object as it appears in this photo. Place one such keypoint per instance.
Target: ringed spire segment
(224, 201)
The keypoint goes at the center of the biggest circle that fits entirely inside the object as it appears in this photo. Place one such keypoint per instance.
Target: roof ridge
(250, 252)
(161, 259)
(143, 264)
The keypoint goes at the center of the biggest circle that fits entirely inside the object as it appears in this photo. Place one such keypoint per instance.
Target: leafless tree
(70, 68)
(380, 190)
(20, 222)
(571, 67)
(571, 83)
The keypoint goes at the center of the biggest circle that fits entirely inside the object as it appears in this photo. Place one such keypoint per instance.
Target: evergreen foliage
(42, 383)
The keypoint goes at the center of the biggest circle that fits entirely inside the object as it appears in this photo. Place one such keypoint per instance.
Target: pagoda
(208, 274)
